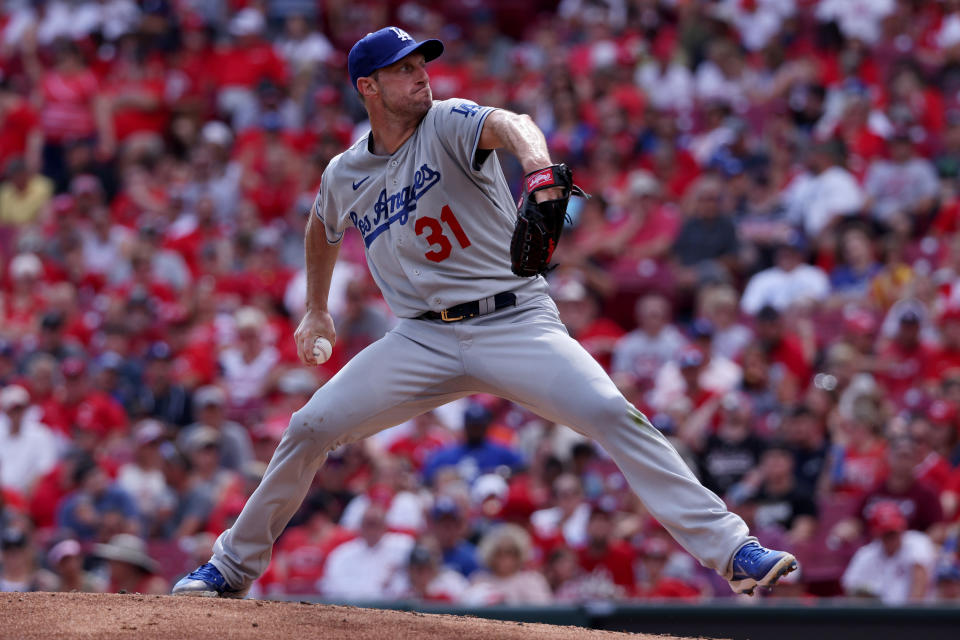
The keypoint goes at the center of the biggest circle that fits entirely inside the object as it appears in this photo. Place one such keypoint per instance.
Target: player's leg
(402, 375)
(528, 357)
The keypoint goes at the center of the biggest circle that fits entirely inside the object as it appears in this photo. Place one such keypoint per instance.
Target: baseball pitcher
(463, 270)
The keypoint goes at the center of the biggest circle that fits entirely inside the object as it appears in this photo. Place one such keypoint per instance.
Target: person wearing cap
(202, 449)
(425, 579)
(210, 410)
(23, 300)
(159, 394)
(426, 191)
(663, 572)
(28, 448)
(143, 477)
(247, 364)
(604, 555)
(789, 281)
(66, 573)
(897, 566)
(130, 567)
(476, 453)
(579, 310)
(696, 371)
(449, 527)
(903, 360)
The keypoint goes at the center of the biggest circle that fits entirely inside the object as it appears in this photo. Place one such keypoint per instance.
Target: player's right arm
(321, 256)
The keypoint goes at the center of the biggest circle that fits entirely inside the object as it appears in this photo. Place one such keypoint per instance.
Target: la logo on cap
(403, 35)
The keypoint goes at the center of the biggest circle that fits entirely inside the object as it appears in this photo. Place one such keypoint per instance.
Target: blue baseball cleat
(755, 566)
(206, 581)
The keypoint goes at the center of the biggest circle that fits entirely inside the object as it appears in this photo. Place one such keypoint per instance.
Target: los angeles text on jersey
(395, 207)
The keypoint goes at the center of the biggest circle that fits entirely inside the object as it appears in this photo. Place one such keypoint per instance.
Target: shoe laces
(751, 554)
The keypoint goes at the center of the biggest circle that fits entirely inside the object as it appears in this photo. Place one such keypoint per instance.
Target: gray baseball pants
(523, 354)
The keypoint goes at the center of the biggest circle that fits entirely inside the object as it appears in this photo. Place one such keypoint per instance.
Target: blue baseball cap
(384, 47)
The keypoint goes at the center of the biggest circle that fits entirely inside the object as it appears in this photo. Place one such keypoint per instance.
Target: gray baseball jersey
(436, 223)
(437, 226)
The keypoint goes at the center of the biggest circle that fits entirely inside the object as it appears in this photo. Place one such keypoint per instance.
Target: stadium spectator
(504, 551)
(209, 407)
(426, 579)
(130, 568)
(449, 527)
(706, 248)
(605, 556)
(99, 508)
(160, 396)
(477, 454)
(66, 572)
(143, 478)
(565, 523)
(773, 499)
(663, 573)
(903, 188)
(362, 568)
(786, 283)
(640, 354)
(897, 566)
(158, 166)
(18, 571)
(918, 503)
(815, 200)
(726, 455)
(28, 448)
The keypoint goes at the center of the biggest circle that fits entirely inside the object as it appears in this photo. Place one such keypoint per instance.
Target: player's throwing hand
(315, 324)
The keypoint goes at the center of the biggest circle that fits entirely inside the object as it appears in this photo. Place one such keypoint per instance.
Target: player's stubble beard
(410, 108)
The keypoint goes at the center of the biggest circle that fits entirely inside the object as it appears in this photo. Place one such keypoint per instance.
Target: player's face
(405, 86)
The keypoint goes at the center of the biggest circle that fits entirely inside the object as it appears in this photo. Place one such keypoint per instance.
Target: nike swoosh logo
(356, 185)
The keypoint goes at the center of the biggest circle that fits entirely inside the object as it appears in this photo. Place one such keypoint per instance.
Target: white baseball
(322, 350)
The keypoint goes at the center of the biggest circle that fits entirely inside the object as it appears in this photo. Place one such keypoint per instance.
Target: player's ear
(367, 87)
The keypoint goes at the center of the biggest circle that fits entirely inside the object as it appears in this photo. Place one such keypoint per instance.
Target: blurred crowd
(769, 268)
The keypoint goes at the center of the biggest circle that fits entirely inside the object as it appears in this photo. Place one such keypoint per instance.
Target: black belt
(473, 309)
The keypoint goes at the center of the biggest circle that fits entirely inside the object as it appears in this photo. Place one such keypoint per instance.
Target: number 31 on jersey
(439, 243)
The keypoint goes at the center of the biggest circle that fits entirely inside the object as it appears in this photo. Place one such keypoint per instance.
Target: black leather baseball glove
(539, 224)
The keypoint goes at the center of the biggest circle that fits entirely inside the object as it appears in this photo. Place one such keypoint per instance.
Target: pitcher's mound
(34, 616)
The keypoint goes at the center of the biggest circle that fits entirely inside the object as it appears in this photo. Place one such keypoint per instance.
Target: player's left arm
(519, 134)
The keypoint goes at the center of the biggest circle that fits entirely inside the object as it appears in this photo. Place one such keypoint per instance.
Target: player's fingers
(305, 348)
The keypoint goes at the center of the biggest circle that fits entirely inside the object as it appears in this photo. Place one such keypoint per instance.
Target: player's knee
(313, 426)
(608, 409)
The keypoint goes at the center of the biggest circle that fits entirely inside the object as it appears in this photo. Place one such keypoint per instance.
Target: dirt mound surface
(29, 616)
